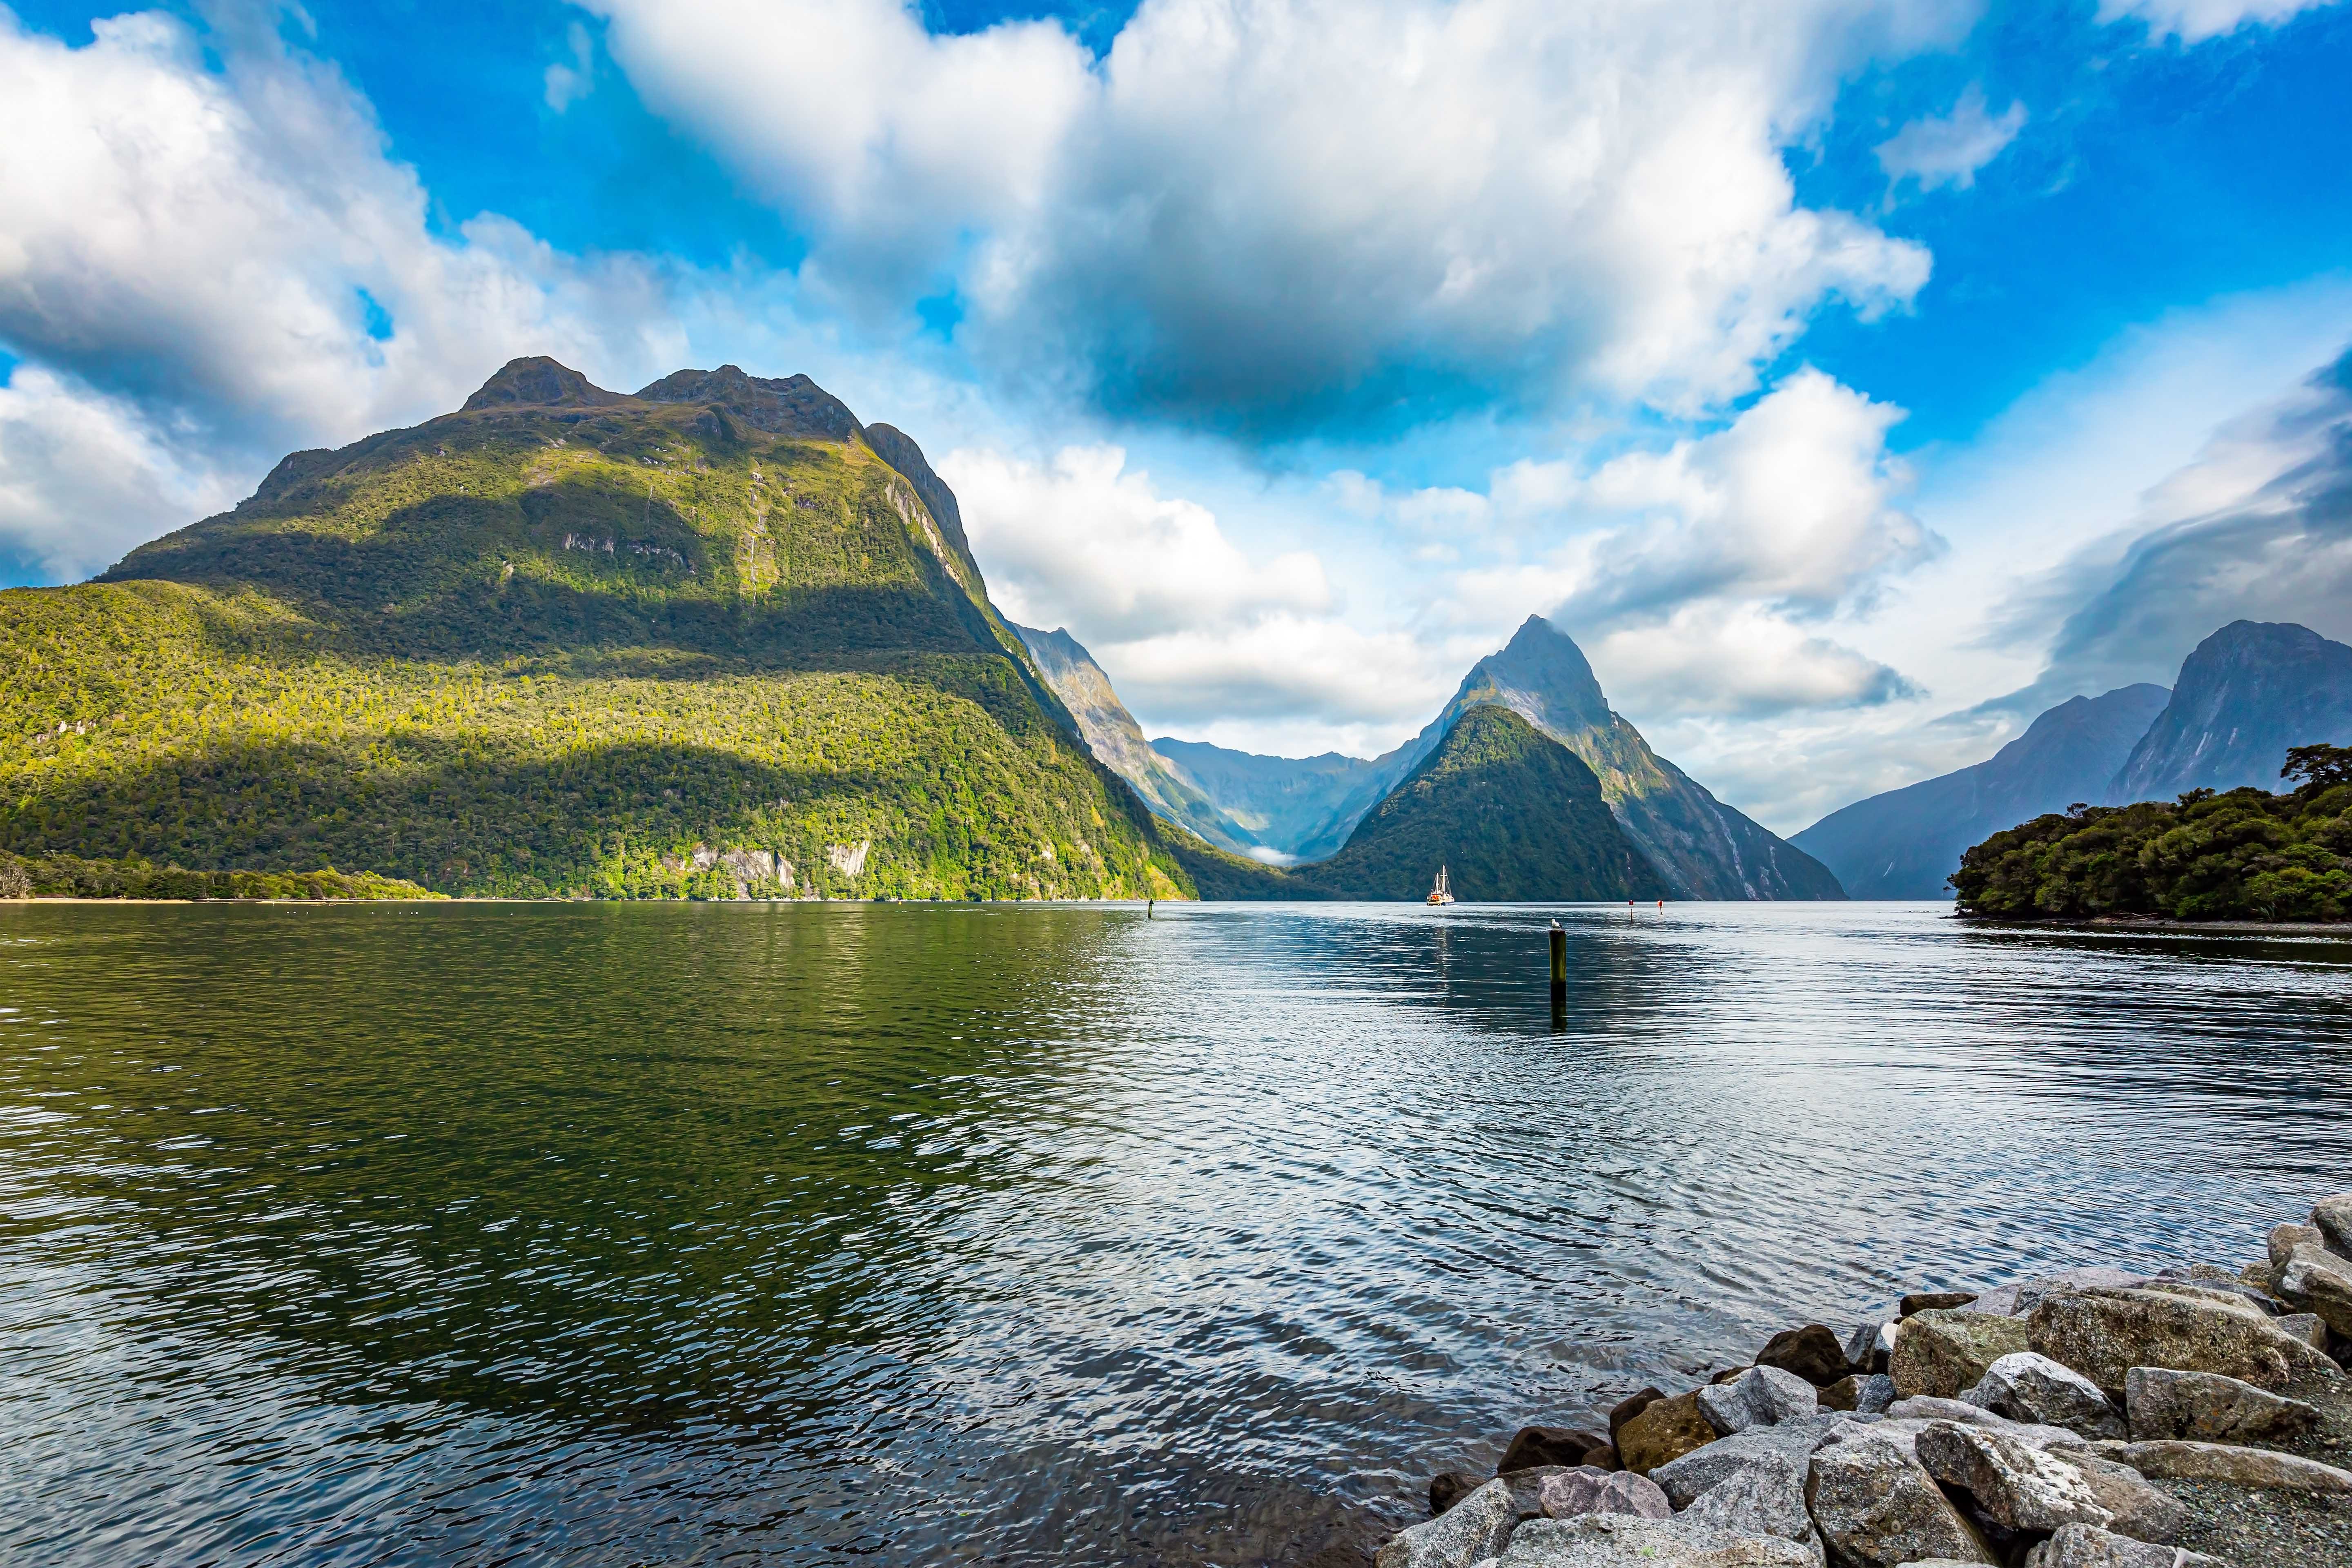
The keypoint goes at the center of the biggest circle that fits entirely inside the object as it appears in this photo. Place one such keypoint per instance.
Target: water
(742, 1234)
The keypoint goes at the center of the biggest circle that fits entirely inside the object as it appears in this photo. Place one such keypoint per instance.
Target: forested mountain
(1907, 842)
(2244, 696)
(704, 638)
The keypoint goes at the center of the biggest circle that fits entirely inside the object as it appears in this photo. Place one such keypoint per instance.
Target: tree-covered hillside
(2243, 854)
(701, 640)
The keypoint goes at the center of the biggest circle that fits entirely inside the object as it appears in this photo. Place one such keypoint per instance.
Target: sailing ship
(1444, 892)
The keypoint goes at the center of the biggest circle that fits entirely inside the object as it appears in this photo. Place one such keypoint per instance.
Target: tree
(2318, 767)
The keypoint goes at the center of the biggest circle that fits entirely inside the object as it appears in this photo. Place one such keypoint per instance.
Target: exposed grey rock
(1876, 1393)
(2019, 1300)
(1703, 1469)
(1477, 1527)
(2088, 1546)
(2202, 1407)
(1526, 1487)
(1761, 1396)
(1875, 1507)
(1862, 1348)
(1567, 1493)
(1940, 1351)
(2308, 1327)
(1768, 1498)
(2286, 1238)
(2014, 1485)
(2235, 1297)
(2316, 1281)
(2035, 1389)
(2225, 1462)
(2142, 1512)
(2102, 1335)
(1623, 1540)
(2333, 1217)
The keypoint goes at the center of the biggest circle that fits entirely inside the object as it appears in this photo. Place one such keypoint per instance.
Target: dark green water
(747, 1234)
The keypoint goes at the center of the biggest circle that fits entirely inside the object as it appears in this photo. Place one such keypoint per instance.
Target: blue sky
(1815, 364)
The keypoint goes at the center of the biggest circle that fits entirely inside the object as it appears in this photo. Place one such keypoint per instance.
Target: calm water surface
(742, 1234)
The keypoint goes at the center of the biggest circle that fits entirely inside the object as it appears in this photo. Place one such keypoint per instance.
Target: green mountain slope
(1512, 814)
(703, 639)
(1116, 742)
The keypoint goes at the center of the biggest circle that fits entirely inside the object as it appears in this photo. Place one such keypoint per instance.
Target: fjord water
(779, 1232)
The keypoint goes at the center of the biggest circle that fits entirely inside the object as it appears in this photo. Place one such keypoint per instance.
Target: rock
(2333, 1217)
(1629, 1407)
(1526, 1487)
(2317, 1281)
(1621, 1540)
(2088, 1546)
(2102, 1335)
(1876, 1393)
(2307, 1327)
(1932, 1302)
(1450, 1487)
(1664, 1431)
(1862, 1350)
(1534, 1445)
(2020, 1300)
(1841, 1395)
(2028, 1491)
(2224, 1462)
(1875, 1507)
(1727, 1375)
(1696, 1473)
(1761, 1396)
(2204, 1407)
(1766, 1498)
(2035, 1389)
(1579, 1491)
(1812, 1353)
(1477, 1527)
(1604, 1457)
(2286, 1238)
(2235, 1298)
(1942, 1351)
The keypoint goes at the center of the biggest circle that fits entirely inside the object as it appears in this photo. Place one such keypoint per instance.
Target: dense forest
(566, 643)
(2242, 855)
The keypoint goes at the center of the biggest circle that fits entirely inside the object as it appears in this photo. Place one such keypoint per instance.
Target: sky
(1849, 379)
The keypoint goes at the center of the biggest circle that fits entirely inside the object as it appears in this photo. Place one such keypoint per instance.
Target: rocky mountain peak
(791, 405)
(541, 382)
(1542, 667)
(2245, 695)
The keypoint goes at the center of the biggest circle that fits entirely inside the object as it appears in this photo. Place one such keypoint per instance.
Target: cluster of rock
(2028, 1425)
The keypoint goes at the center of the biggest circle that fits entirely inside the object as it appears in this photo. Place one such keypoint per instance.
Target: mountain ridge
(2244, 695)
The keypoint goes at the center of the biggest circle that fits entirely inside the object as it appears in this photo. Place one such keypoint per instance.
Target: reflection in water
(627, 1233)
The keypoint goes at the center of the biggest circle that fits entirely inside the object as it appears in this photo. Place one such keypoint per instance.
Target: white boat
(1444, 892)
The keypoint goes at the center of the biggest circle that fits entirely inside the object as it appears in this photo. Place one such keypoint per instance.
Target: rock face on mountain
(1702, 847)
(2247, 693)
(1906, 843)
(1111, 732)
(711, 637)
(1513, 816)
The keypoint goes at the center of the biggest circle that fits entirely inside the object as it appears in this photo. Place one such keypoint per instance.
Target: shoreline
(2096, 1418)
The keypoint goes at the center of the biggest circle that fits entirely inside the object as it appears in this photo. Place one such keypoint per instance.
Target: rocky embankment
(2094, 1419)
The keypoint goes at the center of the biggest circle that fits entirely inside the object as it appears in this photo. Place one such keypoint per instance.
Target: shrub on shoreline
(70, 876)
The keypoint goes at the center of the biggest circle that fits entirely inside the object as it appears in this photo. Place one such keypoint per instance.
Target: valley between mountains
(718, 638)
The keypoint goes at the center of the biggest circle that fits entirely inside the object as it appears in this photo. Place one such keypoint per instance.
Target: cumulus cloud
(1275, 213)
(1949, 150)
(2193, 21)
(213, 261)
(2259, 527)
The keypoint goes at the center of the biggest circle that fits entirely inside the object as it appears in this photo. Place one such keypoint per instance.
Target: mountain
(1302, 807)
(1111, 732)
(2245, 695)
(1903, 843)
(1512, 815)
(715, 636)
(1703, 848)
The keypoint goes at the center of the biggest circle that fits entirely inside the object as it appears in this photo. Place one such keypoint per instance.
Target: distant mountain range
(2245, 695)
(1307, 809)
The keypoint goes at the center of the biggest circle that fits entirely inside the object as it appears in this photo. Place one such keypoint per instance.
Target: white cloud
(1260, 211)
(1950, 150)
(202, 243)
(2193, 21)
(569, 81)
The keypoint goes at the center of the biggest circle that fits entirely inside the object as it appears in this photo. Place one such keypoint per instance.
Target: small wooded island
(2242, 855)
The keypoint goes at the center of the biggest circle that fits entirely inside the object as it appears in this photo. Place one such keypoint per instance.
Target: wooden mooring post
(1558, 967)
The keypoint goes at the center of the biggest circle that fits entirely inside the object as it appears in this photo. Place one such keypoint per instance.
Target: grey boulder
(2256, 1467)
(2205, 1407)
(2333, 1220)
(1567, 1494)
(1761, 1396)
(1875, 1507)
(1623, 1540)
(1942, 1351)
(1766, 1498)
(1477, 1528)
(2020, 1300)
(2284, 1238)
(1703, 1469)
(2316, 1281)
(2088, 1546)
(2025, 1386)
(2031, 1490)
(2102, 1335)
